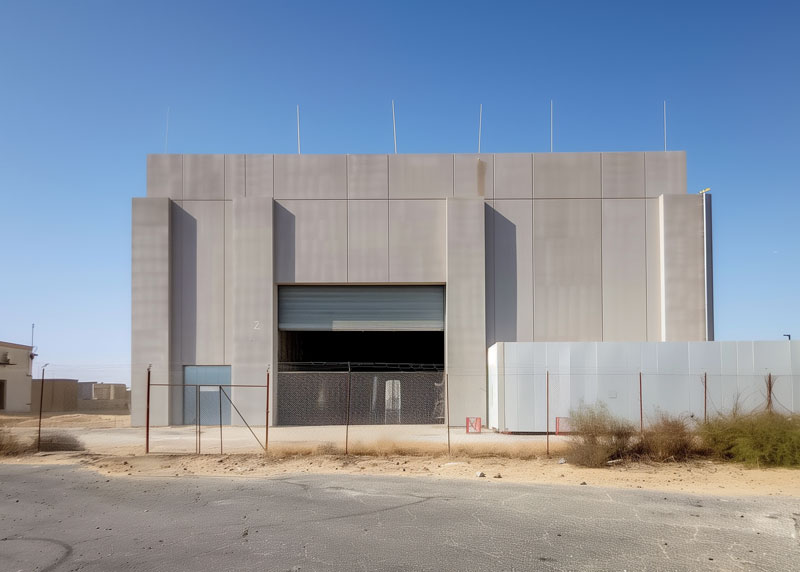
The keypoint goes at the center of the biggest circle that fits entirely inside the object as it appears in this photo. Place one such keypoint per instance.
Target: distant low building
(15, 377)
(59, 395)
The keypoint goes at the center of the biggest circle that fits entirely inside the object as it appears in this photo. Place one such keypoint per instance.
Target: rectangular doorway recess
(381, 346)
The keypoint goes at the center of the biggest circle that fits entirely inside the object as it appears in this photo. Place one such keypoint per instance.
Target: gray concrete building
(244, 263)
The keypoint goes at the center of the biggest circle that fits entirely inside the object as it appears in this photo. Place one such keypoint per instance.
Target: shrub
(598, 436)
(768, 439)
(10, 445)
(60, 441)
(669, 438)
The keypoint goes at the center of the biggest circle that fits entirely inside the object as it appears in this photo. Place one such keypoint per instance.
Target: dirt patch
(699, 477)
(99, 420)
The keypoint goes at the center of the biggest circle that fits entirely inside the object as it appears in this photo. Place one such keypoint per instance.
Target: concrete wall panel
(623, 175)
(513, 176)
(465, 330)
(683, 280)
(311, 241)
(567, 270)
(234, 176)
(420, 176)
(567, 175)
(665, 173)
(203, 177)
(259, 175)
(310, 176)
(150, 304)
(165, 176)
(367, 177)
(252, 280)
(653, 253)
(209, 310)
(513, 270)
(228, 286)
(473, 176)
(624, 271)
(489, 215)
(417, 239)
(368, 241)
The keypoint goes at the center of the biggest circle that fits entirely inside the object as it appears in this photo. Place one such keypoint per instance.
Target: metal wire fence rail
(314, 402)
(205, 405)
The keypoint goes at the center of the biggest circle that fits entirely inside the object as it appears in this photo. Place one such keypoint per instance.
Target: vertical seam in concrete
(533, 257)
(646, 257)
(602, 289)
(347, 218)
(662, 267)
(224, 262)
(388, 223)
(494, 251)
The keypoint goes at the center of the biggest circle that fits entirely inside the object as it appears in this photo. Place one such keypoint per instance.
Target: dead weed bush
(598, 436)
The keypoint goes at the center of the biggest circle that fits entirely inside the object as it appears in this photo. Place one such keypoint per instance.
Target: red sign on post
(473, 424)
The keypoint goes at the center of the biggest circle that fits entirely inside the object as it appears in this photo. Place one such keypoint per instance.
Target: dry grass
(60, 441)
(10, 445)
(670, 438)
(598, 436)
(386, 448)
(765, 438)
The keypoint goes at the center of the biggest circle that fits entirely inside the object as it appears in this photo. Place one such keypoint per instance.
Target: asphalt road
(66, 518)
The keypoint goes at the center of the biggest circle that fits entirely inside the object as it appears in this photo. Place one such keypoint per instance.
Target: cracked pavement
(67, 518)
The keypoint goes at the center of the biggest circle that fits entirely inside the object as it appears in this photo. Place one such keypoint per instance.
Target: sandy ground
(78, 420)
(114, 448)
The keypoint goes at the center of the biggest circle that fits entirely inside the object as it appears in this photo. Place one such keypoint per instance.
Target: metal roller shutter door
(361, 308)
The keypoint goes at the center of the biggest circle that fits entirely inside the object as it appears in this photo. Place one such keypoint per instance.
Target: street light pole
(41, 402)
(788, 336)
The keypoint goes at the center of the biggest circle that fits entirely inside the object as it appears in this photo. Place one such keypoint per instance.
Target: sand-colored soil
(699, 477)
(120, 452)
(92, 420)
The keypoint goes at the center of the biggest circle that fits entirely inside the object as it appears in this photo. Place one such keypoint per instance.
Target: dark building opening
(363, 354)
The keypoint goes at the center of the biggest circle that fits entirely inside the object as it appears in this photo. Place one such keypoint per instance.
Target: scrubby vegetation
(59, 441)
(10, 445)
(598, 436)
(760, 439)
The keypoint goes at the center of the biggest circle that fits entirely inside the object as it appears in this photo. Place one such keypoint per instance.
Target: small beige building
(15, 377)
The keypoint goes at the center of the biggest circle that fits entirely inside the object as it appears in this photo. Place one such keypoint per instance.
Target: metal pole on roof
(166, 132)
(551, 125)
(665, 125)
(298, 129)
(480, 122)
(394, 129)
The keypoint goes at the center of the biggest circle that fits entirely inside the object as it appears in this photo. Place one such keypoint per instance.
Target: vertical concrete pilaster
(465, 310)
(150, 308)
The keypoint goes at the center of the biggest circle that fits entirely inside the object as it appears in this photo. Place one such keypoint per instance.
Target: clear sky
(85, 88)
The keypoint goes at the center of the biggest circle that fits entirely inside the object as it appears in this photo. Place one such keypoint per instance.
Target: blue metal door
(202, 394)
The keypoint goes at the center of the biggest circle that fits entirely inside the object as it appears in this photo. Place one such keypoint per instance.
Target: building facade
(16, 361)
(249, 263)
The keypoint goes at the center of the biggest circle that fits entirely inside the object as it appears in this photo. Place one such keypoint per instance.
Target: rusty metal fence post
(347, 415)
(547, 414)
(266, 419)
(641, 408)
(147, 415)
(447, 404)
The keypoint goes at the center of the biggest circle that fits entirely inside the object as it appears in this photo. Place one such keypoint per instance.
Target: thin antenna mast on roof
(298, 129)
(394, 129)
(166, 132)
(551, 125)
(665, 125)
(480, 122)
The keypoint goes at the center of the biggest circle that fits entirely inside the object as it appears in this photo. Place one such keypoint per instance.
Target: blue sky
(85, 87)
